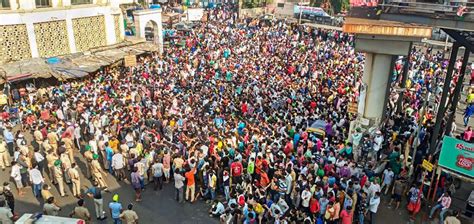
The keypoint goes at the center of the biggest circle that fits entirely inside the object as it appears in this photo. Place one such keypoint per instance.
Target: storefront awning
(70, 66)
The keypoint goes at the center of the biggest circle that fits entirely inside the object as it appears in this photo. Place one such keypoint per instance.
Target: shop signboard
(457, 155)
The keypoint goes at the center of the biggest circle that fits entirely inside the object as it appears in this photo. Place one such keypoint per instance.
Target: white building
(47, 28)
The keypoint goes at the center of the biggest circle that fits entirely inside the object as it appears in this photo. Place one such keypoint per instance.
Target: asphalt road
(156, 206)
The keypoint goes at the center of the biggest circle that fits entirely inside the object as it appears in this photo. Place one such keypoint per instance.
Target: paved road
(156, 205)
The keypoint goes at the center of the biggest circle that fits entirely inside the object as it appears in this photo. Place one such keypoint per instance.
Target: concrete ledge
(380, 46)
(385, 28)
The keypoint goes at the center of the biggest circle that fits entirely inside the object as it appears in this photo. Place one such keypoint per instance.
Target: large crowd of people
(223, 117)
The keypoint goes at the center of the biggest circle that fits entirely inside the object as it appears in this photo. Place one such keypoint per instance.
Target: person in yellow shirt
(114, 143)
(470, 96)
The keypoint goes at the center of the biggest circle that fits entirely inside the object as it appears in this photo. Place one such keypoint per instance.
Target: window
(4, 4)
(81, 2)
(42, 3)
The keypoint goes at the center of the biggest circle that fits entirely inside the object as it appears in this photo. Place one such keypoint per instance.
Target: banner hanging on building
(308, 10)
(457, 155)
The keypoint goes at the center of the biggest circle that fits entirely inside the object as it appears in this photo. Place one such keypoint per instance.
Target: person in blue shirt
(109, 152)
(217, 209)
(467, 113)
(296, 139)
(9, 139)
(249, 214)
(115, 209)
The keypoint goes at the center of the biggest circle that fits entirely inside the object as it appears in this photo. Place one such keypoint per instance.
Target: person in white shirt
(39, 158)
(16, 175)
(118, 166)
(378, 140)
(305, 197)
(373, 206)
(37, 180)
(387, 179)
(374, 187)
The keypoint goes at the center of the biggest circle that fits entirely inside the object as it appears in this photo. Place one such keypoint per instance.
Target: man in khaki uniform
(76, 180)
(129, 216)
(5, 159)
(46, 146)
(88, 156)
(66, 165)
(69, 144)
(38, 136)
(81, 212)
(97, 172)
(58, 176)
(53, 139)
(51, 157)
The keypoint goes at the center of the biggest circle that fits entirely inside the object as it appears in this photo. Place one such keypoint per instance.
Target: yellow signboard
(427, 165)
(130, 60)
(352, 107)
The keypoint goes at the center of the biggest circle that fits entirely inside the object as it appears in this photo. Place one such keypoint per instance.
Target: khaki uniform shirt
(129, 216)
(50, 157)
(38, 136)
(73, 174)
(53, 138)
(81, 213)
(3, 147)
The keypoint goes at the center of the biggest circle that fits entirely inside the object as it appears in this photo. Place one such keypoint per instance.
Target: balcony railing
(447, 9)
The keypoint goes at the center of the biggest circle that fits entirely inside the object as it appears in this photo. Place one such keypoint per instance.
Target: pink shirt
(445, 202)
(166, 161)
(346, 217)
(467, 135)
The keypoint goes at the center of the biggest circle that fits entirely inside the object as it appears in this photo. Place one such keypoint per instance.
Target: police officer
(58, 177)
(5, 159)
(97, 172)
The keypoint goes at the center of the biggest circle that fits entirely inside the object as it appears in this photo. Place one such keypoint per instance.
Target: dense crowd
(224, 116)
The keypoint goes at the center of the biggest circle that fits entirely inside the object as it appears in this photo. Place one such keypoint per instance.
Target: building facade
(48, 28)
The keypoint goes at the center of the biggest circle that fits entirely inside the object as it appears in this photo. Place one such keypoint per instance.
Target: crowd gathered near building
(223, 117)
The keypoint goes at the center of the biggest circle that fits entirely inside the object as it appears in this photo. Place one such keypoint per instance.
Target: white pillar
(115, 3)
(13, 5)
(160, 34)
(66, 3)
(109, 29)
(27, 5)
(376, 77)
(70, 36)
(54, 3)
(30, 29)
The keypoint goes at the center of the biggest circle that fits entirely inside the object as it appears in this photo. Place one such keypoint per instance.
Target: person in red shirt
(346, 215)
(45, 115)
(236, 169)
(190, 187)
(314, 206)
